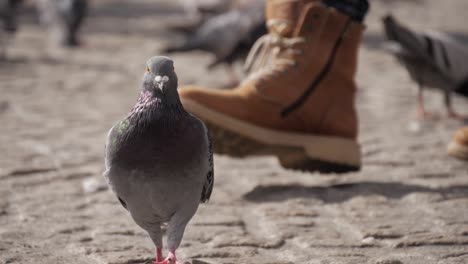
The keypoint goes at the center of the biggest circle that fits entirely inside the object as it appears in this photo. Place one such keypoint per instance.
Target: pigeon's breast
(161, 149)
(160, 172)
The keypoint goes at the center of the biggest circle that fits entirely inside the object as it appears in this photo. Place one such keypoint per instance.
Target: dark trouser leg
(356, 9)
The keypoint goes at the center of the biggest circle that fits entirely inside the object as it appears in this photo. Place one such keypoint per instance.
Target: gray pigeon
(159, 160)
(64, 18)
(229, 36)
(433, 59)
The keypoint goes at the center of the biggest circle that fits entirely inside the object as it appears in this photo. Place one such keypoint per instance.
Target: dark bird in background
(433, 59)
(64, 19)
(159, 160)
(202, 8)
(196, 12)
(9, 21)
(228, 36)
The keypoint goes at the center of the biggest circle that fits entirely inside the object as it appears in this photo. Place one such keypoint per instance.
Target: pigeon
(433, 59)
(64, 18)
(197, 12)
(8, 15)
(159, 160)
(229, 36)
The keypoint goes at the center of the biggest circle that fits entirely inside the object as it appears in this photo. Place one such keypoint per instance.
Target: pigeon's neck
(152, 108)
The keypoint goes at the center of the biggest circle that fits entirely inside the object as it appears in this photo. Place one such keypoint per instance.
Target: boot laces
(271, 53)
(268, 57)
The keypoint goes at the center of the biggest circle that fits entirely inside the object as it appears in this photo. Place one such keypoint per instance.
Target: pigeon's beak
(161, 81)
(161, 86)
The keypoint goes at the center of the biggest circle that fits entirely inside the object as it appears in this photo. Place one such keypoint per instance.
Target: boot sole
(457, 150)
(294, 150)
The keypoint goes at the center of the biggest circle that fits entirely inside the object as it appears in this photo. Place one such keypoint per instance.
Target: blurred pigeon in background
(159, 161)
(199, 8)
(64, 18)
(229, 36)
(433, 59)
(8, 15)
(196, 12)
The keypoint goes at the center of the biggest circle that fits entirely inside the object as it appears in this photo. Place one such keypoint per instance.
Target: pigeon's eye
(148, 69)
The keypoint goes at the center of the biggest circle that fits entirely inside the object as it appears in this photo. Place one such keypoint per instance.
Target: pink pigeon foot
(170, 259)
(454, 115)
(425, 115)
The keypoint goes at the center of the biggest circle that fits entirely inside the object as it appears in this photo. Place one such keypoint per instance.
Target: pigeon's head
(391, 27)
(160, 78)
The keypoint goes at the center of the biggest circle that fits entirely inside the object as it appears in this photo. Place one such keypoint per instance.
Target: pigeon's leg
(421, 111)
(176, 229)
(156, 237)
(159, 256)
(454, 115)
(448, 105)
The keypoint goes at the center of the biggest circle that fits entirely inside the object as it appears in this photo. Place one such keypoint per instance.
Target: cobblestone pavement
(409, 203)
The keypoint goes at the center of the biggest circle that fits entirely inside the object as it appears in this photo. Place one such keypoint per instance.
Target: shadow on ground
(342, 192)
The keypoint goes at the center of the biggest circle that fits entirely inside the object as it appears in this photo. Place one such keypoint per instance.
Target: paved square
(409, 204)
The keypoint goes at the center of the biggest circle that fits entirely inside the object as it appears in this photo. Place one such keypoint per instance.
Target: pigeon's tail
(402, 35)
(462, 89)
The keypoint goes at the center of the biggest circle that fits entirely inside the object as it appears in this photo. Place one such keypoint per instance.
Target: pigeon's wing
(449, 55)
(209, 181)
(122, 202)
(112, 140)
(435, 50)
(110, 148)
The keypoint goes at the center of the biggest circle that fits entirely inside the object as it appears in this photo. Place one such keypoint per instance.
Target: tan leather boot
(458, 148)
(298, 100)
